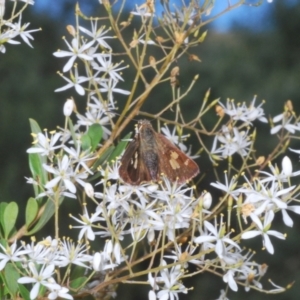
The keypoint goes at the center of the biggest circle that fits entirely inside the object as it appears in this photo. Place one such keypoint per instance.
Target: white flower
(75, 82)
(169, 282)
(264, 196)
(38, 278)
(80, 157)
(232, 141)
(11, 253)
(76, 51)
(62, 173)
(243, 113)
(228, 188)
(20, 30)
(107, 67)
(102, 261)
(87, 224)
(109, 86)
(98, 34)
(263, 230)
(72, 253)
(285, 123)
(44, 145)
(218, 236)
(283, 176)
(57, 291)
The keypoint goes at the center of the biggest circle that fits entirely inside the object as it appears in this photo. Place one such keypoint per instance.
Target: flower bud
(89, 190)
(287, 167)
(2, 8)
(69, 107)
(207, 200)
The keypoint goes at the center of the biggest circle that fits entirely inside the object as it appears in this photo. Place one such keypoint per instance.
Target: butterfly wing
(173, 163)
(133, 169)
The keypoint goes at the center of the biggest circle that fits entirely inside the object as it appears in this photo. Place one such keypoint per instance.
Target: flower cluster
(39, 261)
(12, 29)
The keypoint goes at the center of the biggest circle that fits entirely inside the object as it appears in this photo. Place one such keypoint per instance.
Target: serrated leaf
(10, 217)
(95, 133)
(77, 283)
(32, 209)
(45, 216)
(119, 148)
(11, 278)
(86, 143)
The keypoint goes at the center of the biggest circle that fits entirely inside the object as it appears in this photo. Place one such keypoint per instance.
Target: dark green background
(236, 64)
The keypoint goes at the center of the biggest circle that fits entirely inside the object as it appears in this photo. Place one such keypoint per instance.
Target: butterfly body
(150, 155)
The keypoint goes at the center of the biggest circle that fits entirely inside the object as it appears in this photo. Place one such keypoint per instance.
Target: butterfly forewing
(133, 169)
(175, 164)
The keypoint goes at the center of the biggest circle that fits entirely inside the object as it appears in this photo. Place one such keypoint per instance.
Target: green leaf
(11, 277)
(95, 133)
(45, 217)
(38, 172)
(36, 161)
(72, 130)
(31, 212)
(35, 128)
(77, 283)
(10, 217)
(101, 160)
(77, 272)
(24, 292)
(119, 148)
(86, 143)
(2, 209)
(3, 290)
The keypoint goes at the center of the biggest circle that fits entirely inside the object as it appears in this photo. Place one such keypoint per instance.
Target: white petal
(69, 64)
(256, 220)
(276, 129)
(278, 118)
(286, 218)
(52, 183)
(294, 208)
(70, 186)
(79, 89)
(269, 217)
(151, 295)
(202, 239)
(277, 234)
(250, 234)
(211, 228)
(267, 243)
(34, 291)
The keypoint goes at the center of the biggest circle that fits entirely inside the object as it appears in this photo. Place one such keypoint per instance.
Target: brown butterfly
(150, 155)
